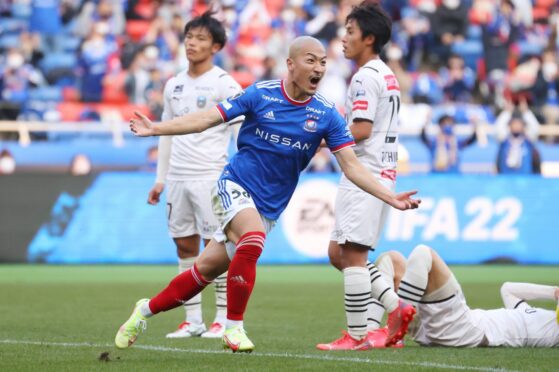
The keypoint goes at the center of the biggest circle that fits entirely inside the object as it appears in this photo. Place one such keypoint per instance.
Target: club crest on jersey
(178, 89)
(310, 126)
(201, 101)
(360, 93)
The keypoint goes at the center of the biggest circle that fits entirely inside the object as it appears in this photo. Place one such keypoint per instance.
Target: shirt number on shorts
(236, 194)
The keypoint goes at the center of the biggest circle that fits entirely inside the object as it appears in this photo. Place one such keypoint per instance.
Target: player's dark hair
(374, 21)
(214, 27)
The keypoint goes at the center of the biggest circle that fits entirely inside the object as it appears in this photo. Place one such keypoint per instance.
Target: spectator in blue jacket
(517, 154)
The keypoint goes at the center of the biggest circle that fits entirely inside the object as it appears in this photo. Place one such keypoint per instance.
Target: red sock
(242, 273)
(182, 288)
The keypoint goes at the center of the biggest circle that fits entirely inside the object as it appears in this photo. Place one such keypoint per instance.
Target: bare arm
(360, 176)
(515, 294)
(195, 122)
(361, 129)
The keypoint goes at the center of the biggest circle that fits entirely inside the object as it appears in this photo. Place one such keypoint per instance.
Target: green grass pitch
(61, 318)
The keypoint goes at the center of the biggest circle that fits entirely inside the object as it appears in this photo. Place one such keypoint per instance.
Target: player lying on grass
(285, 122)
(444, 318)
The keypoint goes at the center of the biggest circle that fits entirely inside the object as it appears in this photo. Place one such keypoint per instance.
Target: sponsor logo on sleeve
(391, 82)
(360, 93)
(360, 105)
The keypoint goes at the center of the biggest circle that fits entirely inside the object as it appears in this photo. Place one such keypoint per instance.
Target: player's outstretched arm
(360, 176)
(514, 294)
(195, 122)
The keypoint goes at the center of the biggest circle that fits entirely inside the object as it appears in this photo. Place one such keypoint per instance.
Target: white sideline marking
(271, 355)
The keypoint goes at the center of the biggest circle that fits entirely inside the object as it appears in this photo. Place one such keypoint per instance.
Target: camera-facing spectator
(517, 154)
(458, 80)
(445, 147)
(449, 25)
(16, 78)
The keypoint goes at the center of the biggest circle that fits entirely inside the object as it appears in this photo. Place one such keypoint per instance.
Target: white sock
(375, 311)
(381, 290)
(357, 297)
(221, 298)
(233, 323)
(145, 310)
(192, 307)
(413, 284)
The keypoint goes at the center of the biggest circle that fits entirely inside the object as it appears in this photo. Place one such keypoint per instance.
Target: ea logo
(309, 218)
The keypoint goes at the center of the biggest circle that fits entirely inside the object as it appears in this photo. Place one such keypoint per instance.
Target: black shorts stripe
(413, 286)
(357, 294)
(357, 326)
(373, 320)
(518, 304)
(437, 301)
(410, 292)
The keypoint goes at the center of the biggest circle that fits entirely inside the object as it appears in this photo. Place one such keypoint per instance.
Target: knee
(421, 255)
(186, 249)
(335, 258)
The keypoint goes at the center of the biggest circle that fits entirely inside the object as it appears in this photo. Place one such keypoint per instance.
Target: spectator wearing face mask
(16, 78)
(445, 147)
(517, 154)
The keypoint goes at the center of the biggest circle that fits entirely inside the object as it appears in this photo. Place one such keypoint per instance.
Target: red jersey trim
(342, 146)
(292, 101)
(222, 113)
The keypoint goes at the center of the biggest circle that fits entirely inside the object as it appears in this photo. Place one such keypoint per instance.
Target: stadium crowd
(75, 60)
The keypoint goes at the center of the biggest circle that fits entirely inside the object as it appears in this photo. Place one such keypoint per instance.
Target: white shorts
(359, 216)
(228, 199)
(189, 209)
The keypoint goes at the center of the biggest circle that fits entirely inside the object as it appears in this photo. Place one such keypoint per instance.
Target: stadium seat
(9, 41)
(12, 26)
(46, 94)
(136, 29)
(470, 50)
(21, 9)
(57, 61)
(528, 48)
(68, 43)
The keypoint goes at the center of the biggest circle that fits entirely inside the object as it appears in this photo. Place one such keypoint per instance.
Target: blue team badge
(201, 101)
(310, 126)
(360, 93)
(178, 89)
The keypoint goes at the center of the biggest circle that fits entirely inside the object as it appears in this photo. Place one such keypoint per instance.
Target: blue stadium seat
(474, 32)
(58, 60)
(528, 48)
(12, 26)
(470, 50)
(9, 41)
(21, 9)
(68, 43)
(46, 94)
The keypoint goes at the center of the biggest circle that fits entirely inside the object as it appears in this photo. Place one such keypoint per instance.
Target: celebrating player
(190, 165)
(285, 122)
(444, 318)
(372, 106)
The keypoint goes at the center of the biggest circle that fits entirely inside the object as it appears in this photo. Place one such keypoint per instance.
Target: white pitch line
(270, 355)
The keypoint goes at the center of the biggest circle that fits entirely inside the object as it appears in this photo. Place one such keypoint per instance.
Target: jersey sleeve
(365, 94)
(167, 110)
(338, 135)
(237, 105)
(230, 88)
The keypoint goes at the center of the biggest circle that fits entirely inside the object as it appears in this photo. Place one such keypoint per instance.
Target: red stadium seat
(136, 29)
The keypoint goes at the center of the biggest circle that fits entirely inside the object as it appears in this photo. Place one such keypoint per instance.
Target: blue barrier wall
(468, 219)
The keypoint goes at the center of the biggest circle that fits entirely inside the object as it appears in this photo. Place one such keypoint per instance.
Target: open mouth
(315, 80)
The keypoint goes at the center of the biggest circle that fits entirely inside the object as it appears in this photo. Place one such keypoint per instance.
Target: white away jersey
(374, 95)
(199, 155)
